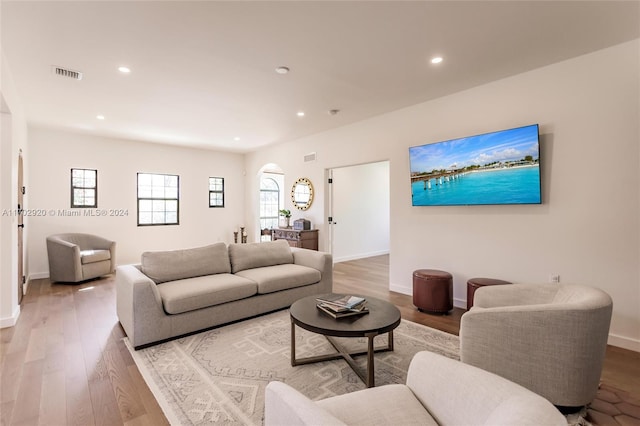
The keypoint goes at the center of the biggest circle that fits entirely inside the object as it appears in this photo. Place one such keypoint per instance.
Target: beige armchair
(549, 338)
(439, 391)
(79, 257)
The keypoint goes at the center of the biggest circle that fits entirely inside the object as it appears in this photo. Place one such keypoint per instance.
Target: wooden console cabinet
(303, 239)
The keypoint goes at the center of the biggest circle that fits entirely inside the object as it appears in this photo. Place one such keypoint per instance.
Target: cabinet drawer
(304, 239)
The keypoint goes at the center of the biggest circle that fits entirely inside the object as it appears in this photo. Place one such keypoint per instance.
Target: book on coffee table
(342, 302)
(329, 310)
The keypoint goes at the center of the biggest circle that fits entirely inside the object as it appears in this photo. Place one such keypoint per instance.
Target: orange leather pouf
(433, 290)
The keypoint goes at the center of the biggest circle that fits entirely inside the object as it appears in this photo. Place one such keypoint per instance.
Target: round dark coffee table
(383, 317)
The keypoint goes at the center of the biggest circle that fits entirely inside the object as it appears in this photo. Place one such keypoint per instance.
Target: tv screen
(501, 167)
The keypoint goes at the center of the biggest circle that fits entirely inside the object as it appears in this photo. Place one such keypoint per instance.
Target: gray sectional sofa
(173, 293)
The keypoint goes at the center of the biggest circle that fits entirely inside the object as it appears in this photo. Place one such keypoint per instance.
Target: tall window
(216, 192)
(84, 188)
(157, 199)
(269, 202)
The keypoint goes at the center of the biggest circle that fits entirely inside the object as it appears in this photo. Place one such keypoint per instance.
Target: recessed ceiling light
(300, 113)
(333, 111)
(282, 70)
(100, 117)
(124, 70)
(237, 138)
(436, 60)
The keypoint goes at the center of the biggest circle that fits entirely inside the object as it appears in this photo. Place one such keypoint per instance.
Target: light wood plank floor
(64, 363)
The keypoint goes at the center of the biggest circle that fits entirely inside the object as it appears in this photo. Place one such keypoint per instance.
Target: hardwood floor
(64, 363)
(370, 277)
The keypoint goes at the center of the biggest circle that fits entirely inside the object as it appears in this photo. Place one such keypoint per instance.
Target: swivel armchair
(439, 391)
(75, 257)
(549, 338)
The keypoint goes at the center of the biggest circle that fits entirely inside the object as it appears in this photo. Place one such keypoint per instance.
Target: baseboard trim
(401, 289)
(12, 320)
(38, 276)
(624, 342)
(459, 303)
(359, 256)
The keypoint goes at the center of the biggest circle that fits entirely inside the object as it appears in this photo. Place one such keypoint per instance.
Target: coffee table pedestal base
(368, 378)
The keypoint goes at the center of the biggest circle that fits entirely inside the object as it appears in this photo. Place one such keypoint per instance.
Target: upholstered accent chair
(76, 257)
(549, 338)
(439, 391)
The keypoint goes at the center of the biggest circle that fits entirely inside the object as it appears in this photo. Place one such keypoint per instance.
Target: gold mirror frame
(302, 194)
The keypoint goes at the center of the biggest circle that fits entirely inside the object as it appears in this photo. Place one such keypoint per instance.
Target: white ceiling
(203, 72)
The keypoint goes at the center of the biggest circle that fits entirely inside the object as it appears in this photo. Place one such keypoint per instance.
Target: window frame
(277, 191)
(216, 192)
(94, 188)
(177, 199)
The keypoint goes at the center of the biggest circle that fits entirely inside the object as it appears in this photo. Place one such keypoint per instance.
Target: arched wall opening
(270, 199)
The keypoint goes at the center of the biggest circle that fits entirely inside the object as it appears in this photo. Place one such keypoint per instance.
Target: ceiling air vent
(63, 72)
(310, 157)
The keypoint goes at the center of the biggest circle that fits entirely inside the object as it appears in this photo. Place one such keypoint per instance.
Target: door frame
(20, 190)
(330, 203)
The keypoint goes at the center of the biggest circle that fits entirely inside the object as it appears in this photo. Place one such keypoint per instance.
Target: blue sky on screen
(505, 145)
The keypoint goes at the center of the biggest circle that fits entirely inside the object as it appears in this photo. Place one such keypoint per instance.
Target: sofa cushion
(163, 266)
(91, 256)
(258, 255)
(281, 277)
(200, 292)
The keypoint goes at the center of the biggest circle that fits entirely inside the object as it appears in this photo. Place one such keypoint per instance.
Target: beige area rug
(218, 376)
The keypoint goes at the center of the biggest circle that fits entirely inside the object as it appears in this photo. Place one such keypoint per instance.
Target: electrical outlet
(554, 279)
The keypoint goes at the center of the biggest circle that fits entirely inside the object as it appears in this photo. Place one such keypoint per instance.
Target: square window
(158, 199)
(84, 188)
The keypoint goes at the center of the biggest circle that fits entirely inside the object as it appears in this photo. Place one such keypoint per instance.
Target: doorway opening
(359, 208)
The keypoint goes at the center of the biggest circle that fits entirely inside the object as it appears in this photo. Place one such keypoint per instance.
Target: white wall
(360, 211)
(13, 137)
(587, 230)
(54, 153)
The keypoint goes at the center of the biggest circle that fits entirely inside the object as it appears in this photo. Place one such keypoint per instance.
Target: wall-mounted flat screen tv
(501, 167)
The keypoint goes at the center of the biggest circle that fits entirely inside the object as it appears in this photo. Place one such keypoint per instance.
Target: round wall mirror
(302, 194)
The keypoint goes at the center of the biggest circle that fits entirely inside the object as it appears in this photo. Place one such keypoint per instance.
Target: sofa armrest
(64, 260)
(319, 260)
(139, 306)
(286, 406)
(313, 259)
(457, 393)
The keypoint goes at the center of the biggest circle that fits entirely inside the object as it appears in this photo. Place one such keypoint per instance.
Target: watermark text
(66, 212)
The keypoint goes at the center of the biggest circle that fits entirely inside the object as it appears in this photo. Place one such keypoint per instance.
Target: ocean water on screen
(518, 185)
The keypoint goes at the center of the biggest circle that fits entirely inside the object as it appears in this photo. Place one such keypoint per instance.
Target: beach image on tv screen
(494, 168)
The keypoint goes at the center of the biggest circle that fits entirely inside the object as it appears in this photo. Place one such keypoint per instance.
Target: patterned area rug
(218, 376)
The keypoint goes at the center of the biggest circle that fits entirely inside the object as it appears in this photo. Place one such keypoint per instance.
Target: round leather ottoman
(475, 283)
(433, 290)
